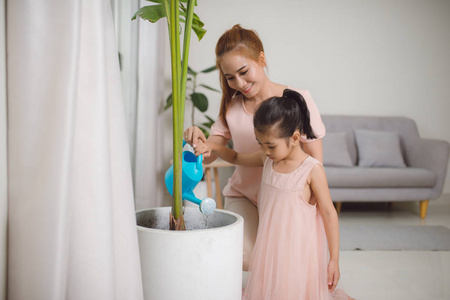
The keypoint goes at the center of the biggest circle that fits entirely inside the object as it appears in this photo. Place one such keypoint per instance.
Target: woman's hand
(193, 136)
(203, 148)
(333, 275)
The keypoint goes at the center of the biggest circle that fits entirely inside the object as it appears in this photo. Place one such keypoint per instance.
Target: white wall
(373, 57)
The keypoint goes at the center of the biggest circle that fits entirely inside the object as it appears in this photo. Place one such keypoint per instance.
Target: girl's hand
(193, 136)
(333, 275)
(203, 148)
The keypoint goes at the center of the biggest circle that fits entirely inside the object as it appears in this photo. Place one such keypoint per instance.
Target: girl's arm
(208, 155)
(255, 159)
(319, 186)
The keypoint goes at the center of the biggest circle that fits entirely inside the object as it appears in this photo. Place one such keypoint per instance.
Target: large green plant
(176, 11)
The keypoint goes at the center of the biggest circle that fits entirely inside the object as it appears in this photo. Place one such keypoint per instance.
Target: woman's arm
(319, 186)
(314, 149)
(255, 159)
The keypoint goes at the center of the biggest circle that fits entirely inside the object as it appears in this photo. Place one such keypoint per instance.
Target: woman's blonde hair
(247, 43)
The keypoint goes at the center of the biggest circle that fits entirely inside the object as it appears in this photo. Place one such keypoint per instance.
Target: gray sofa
(382, 159)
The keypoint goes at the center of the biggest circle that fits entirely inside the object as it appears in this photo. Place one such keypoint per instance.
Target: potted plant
(204, 261)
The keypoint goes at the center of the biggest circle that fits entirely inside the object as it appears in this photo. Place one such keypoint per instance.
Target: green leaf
(197, 26)
(208, 70)
(208, 124)
(151, 13)
(169, 102)
(182, 8)
(192, 72)
(200, 101)
(198, 21)
(199, 31)
(210, 119)
(209, 88)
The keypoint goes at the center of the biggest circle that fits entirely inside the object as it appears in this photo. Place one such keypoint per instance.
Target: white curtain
(127, 43)
(142, 46)
(72, 232)
(3, 157)
(149, 157)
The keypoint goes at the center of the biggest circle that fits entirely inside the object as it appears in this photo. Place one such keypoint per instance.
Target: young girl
(290, 257)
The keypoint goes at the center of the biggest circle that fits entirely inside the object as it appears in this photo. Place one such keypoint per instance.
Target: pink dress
(290, 257)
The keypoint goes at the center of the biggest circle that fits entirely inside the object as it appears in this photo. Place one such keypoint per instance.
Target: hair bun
(288, 93)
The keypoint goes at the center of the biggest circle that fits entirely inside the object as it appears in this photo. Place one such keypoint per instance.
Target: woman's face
(243, 74)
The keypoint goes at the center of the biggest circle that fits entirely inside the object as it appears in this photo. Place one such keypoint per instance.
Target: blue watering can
(191, 175)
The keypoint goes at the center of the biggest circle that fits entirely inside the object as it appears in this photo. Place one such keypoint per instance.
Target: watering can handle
(199, 159)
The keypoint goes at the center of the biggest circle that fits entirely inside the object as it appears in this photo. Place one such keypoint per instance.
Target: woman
(241, 62)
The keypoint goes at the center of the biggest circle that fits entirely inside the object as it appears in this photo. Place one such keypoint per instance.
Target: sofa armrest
(432, 155)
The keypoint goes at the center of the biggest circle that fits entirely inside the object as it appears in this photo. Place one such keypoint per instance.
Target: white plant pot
(197, 264)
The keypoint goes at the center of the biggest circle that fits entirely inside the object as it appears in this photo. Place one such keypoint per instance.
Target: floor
(396, 275)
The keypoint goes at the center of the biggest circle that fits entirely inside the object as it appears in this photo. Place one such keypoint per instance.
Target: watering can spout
(207, 206)
(192, 173)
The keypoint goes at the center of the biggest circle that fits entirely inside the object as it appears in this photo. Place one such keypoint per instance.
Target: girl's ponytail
(305, 125)
(288, 112)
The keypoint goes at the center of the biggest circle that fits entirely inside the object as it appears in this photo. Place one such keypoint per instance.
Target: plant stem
(192, 114)
(179, 76)
(174, 25)
(193, 106)
(186, 45)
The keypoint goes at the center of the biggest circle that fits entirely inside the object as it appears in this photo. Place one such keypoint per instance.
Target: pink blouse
(245, 181)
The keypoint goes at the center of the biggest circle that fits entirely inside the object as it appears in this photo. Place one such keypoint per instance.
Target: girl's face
(243, 74)
(274, 147)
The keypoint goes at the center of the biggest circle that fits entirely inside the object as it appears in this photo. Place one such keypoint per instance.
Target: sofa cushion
(378, 149)
(406, 128)
(335, 150)
(360, 177)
